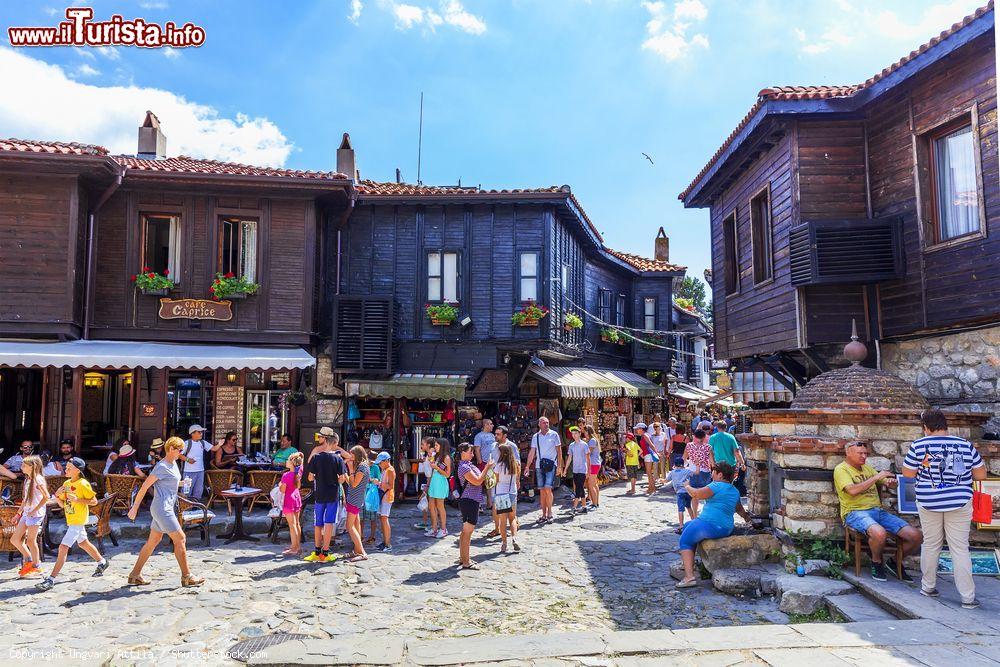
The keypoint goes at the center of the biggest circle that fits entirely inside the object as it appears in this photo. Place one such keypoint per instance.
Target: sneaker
(890, 564)
(584, 510)
(932, 593)
(386, 547)
(48, 582)
(101, 567)
(26, 569)
(313, 556)
(35, 571)
(430, 532)
(878, 572)
(420, 526)
(330, 558)
(971, 604)
(441, 533)
(517, 548)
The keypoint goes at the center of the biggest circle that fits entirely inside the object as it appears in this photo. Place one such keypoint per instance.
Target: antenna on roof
(420, 137)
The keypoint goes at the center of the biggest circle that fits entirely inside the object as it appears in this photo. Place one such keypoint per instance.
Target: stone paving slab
(644, 641)
(341, 651)
(873, 657)
(856, 607)
(797, 657)
(486, 649)
(876, 633)
(744, 637)
(942, 655)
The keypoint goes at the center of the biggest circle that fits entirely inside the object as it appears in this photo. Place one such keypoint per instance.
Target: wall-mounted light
(93, 380)
(466, 322)
(506, 359)
(231, 376)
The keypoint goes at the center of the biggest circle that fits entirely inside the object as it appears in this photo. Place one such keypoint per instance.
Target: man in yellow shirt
(75, 496)
(857, 485)
(631, 461)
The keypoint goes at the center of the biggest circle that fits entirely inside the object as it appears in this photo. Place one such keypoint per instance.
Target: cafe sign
(196, 309)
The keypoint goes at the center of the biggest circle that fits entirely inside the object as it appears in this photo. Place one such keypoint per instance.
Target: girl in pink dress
(291, 504)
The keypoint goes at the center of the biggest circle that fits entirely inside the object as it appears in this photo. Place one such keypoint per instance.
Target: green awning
(576, 382)
(410, 385)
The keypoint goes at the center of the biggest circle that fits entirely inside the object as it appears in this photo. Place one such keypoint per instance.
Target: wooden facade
(859, 156)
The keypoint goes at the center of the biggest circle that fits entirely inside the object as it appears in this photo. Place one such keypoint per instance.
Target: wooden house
(877, 202)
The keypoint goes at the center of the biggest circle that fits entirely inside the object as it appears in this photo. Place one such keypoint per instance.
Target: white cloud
(153, 4)
(170, 52)
(86, 70)
(667, 32)
(84, 53)
(356, 7)
(51, 11)
(451, 13)
(53, 106)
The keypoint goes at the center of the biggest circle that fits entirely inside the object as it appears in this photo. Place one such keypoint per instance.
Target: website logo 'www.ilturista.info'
(80, 30)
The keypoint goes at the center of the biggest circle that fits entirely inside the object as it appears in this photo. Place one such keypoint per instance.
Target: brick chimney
(346, 163)
(152, 142)
(662, 252)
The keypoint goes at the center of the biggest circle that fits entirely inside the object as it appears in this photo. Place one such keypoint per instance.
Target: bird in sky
(648, 158)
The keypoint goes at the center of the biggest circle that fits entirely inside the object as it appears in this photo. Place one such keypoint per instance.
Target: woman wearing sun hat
(125, 464)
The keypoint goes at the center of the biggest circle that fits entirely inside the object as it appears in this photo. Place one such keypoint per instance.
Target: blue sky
(518, 93)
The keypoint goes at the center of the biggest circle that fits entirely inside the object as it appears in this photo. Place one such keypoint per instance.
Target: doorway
(105, 408)
(266, 420)
(20, 406)
(189, 402)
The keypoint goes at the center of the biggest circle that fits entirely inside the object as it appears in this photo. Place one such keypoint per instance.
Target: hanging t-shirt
(375, 441)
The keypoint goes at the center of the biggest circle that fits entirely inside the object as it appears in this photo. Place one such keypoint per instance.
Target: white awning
(576, 382)
(126, 354)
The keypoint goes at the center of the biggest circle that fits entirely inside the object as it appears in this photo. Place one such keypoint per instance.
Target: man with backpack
(546, 454)
(193, 458)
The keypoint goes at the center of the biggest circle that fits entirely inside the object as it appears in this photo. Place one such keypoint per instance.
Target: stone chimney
(346, 163)
(662, 252)
(152, 142)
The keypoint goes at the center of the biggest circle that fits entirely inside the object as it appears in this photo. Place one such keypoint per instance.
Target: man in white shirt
(194, 459)
(546, 454)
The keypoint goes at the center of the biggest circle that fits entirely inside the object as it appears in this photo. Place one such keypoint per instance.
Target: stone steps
(856, 607)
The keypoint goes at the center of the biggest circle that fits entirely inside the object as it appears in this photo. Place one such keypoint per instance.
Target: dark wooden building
(91, 357)
(877, 202)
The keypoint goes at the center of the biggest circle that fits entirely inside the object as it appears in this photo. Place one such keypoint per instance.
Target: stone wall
(330, 404)
(955, 371)
(810, 443)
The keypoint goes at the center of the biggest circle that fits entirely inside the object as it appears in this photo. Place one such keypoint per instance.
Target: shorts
(353, 509)
(579, 485)
(700, 479)
(513, 503)
(74, 535)
(32, 520)
(632, 471)
(698, 530)
(470, 510)
(595, 469)
(384, 508)
(648, 458)
(683, 502)
(546, 480)
(862, 520)
(325, 514)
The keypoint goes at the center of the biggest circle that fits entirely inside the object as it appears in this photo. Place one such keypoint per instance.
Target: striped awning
(410, 385)
(576, 382)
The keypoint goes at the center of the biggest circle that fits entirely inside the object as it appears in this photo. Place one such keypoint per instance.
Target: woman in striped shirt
(944, 466)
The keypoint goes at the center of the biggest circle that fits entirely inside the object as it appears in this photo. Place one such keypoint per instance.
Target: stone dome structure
(859, 388)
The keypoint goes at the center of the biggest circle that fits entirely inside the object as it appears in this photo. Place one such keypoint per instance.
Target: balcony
(824, 252)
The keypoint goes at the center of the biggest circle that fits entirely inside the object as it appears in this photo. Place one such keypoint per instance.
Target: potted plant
(441, 314)
(686, 303)
(609, 335)
(229, 286)
(153, 283)
(528, 315)
(572, 321)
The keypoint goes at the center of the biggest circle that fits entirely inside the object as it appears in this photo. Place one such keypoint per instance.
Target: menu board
(228, 412)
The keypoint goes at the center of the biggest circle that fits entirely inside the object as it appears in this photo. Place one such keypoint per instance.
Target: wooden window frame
(538, 274)
(925, 148)
(769, 231)
(655, 314)
(734, 270)
(458, 274)
(621, 308)
(174, 262)
(222, 220)
(604, 312)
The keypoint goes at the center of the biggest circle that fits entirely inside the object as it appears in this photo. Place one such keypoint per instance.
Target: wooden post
(77, 408)
(45, 407)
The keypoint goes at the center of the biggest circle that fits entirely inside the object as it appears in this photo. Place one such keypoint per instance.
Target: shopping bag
(982, 507)
(372, 498)
(422, 503)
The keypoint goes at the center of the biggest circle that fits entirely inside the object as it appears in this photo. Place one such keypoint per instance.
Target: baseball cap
(383, 456)
(78, 463)
(641, 425)
(194, 428)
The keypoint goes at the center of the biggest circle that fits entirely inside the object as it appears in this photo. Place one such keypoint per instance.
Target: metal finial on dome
(855, 351)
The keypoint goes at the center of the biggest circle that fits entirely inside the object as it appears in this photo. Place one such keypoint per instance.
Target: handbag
(503, 501)
(982, 507)
(352, 411)
(422, 503)
(490, 481)
(545, 465)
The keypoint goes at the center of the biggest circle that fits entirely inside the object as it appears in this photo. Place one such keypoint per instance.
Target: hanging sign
(196, 309)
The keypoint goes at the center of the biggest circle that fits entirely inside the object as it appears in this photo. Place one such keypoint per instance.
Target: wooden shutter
(363, 334)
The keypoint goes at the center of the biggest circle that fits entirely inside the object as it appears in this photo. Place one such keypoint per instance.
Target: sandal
(357, 558)
(493, 533)
(137, 580)
(473, 565)
(686, 583)
(188, 581)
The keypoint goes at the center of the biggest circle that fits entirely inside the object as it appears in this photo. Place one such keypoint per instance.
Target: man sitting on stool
(861, 508)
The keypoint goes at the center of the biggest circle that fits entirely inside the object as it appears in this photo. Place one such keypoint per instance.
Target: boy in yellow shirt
(631, 461)
(75, 496)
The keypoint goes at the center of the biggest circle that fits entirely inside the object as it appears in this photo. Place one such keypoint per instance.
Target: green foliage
(229, 284)
(573, 321)
(610, 335)
(148, 281)
(530, 312)
(693, 290)
(444, 312)
(811, 547)
(822, 615)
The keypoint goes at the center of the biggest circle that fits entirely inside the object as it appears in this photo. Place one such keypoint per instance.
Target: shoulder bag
(545, 465)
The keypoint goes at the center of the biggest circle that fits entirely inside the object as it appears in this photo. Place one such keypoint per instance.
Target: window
(604, 305)
(529, 276)
(649, 313)
(620, 311)
(161, 244)
(442, 276)
(956, 188)
(239, 248)
(729, 254)
(760, 237)
(565, 278)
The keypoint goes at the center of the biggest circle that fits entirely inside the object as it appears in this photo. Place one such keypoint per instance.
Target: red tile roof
(644, 263)
(189, 165)
(53, 147)
(827, 92)
(377, 189)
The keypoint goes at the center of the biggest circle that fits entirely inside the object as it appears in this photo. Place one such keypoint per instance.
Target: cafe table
(239, 495)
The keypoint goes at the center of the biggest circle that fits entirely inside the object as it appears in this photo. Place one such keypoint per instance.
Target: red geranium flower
(145, 269)
(134, 277)
(152, 275)
(215, 298)
(230, 275)
(212, 288)
(166, 272)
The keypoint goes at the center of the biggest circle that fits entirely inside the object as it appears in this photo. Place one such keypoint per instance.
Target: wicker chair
(54, 482)
(121, 487)
(193, 514)
(15, 486)
(279, 521)
(265, 480)
(8, 515)
(95, 473)
(217, 481)
(99, 524)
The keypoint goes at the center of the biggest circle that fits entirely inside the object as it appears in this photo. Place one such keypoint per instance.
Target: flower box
(236, 296)
(441, 314)
(529, 315)
(439, 322)
(163, 291)
(528, 322)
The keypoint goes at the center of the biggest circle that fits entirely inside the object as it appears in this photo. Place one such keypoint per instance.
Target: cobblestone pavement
(602, 571)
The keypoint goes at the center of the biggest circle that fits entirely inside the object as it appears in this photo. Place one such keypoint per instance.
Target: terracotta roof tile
(377, 189)
(644, 263)
(827, 92)
(53, 147)
(189, 165)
